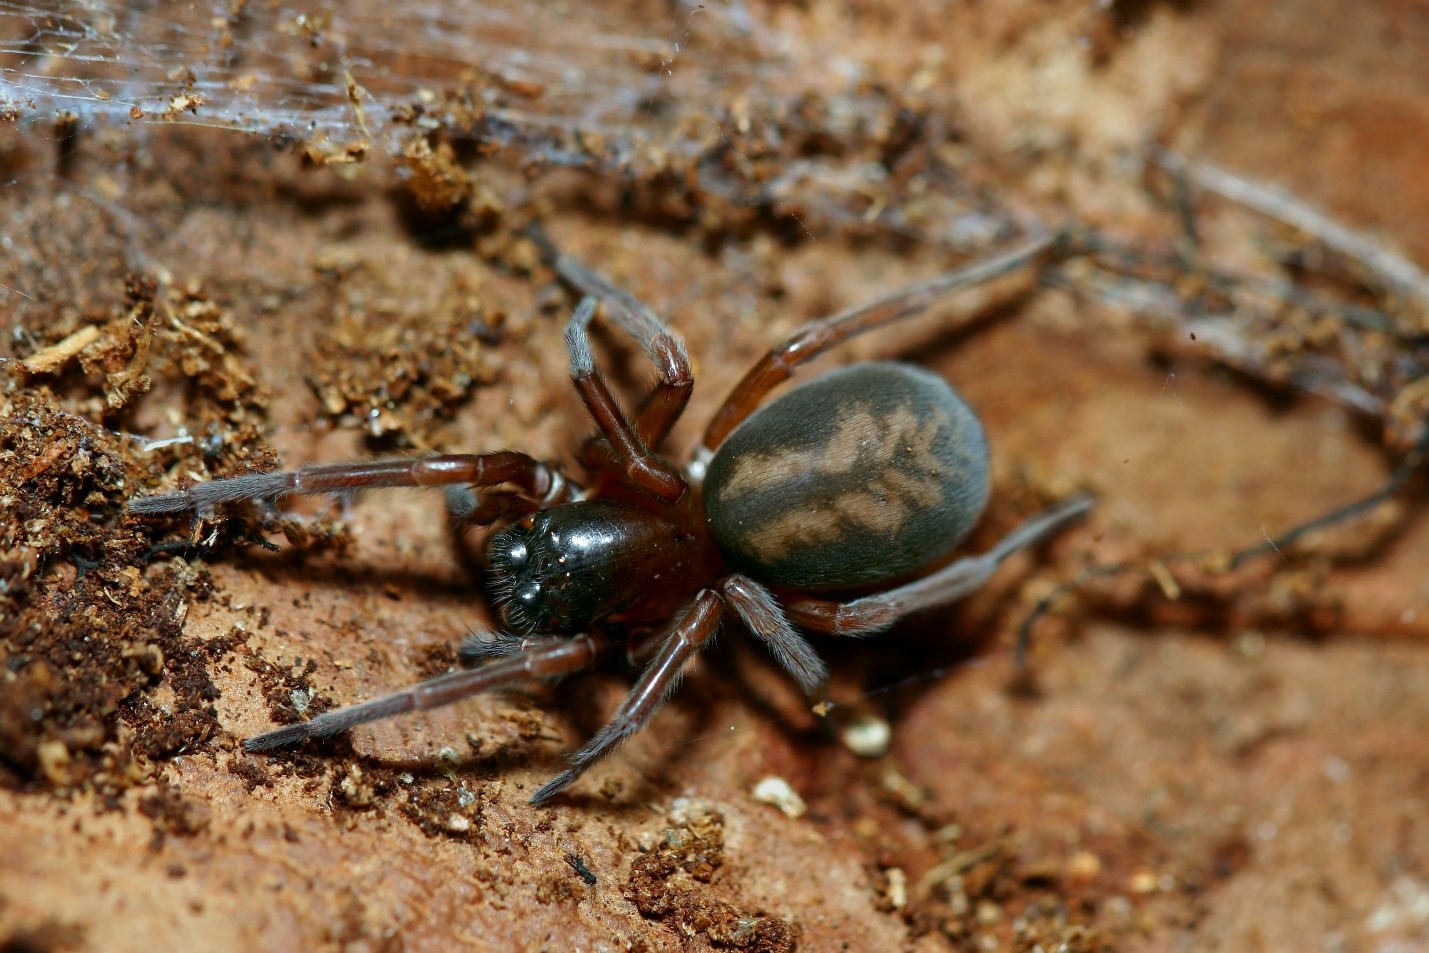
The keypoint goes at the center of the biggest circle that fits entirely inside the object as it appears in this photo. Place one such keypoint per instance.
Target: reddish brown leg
(663, 406)
(816, 337)
(694, 627)
(877, 612)
(641, 467)
(469, 508)
(546, 658)
(534, 478)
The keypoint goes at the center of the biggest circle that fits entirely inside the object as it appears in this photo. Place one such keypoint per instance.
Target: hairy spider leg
(683, 640)
(537, 659)
(641, 467)
(469, 508)
(760, 612)
(816, 337)
(482, 644)
(665, 348)
(536, 480)
(877, 612)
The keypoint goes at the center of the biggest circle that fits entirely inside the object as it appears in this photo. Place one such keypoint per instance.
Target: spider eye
(508, 551)
(517, 555)
(521, 612)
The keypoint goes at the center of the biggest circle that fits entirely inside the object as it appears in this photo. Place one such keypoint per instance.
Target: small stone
(1083, 866)
(776, 791)
(987, 913)
(897, 888)
(867, 736)
(54, 761)
(356, 791)
(1143, 882)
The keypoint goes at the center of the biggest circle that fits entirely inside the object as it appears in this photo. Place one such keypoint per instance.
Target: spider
(856, 481)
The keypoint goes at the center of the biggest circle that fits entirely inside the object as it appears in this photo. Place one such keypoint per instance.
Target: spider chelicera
(856, 480)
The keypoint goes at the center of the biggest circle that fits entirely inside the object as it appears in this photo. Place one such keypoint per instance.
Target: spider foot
(285, 737)
(480, 645)
(554, 786)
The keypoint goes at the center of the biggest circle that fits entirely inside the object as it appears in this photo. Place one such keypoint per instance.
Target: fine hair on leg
(546, 658)
(692, 629)
(534, 478)
(875, 613)
(761, 614)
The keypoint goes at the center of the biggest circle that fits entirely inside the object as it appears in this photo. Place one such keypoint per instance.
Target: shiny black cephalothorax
(856, 479)
(560, 570)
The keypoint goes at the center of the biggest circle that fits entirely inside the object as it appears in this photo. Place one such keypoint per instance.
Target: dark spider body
(858, 477)
(565, 568)
(863, 475)
(856, 480)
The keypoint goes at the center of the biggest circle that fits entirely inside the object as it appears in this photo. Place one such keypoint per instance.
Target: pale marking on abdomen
(896, 450)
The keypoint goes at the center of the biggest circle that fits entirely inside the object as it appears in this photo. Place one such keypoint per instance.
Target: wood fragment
(1398, 272)
(58, 354)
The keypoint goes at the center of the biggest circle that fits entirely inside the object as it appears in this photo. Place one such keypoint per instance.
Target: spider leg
(684, 638)
(641, 467)
(544, 658)
(470, 508)
(816, 337)
(877, 612)
(761, 614)
(481, 645)
(665, 348)
(535, 479)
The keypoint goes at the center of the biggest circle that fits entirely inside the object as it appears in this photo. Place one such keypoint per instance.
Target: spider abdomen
(860, 476)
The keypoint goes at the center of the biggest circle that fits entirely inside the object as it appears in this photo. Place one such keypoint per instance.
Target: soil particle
(671, 883)
(398, 370)
(75, 570)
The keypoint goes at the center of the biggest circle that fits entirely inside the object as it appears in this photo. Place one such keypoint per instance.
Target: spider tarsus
(202, 496)
(554, 786)
(157, 505)
(462, 500)
(578, 341)
(285, 737)
(481, 646)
